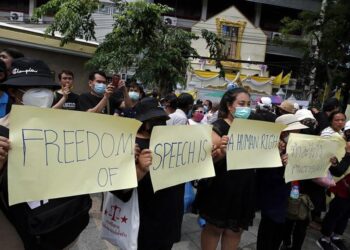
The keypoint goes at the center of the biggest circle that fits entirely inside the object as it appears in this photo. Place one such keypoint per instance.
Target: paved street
(89, 239)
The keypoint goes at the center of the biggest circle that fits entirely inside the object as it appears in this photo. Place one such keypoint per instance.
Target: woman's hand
(143, 163)
(333, 161)
(284, 159)
(224, 142)
(4, 149)
(282, 146)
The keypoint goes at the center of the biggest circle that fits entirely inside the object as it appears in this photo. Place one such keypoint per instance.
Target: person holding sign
(46, 224)
(160, 212)
(274, 192)
(227, 201)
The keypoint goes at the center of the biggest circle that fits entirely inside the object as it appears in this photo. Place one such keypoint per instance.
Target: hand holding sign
(4, 148)
(143, 163)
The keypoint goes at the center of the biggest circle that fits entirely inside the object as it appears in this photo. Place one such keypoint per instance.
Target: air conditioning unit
(16, 16)
(170, 20)
(275, 35)
(40, 20)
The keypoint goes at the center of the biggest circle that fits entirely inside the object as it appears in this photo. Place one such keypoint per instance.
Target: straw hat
(287, 106)
(291, 121)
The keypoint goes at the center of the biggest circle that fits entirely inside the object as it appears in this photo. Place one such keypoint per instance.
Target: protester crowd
(226, 204)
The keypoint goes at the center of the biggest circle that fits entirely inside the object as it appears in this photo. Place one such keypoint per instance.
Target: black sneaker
(324, 244)
(338, 244)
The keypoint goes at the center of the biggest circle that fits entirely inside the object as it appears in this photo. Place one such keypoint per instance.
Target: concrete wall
(253, 40)
(57, 62)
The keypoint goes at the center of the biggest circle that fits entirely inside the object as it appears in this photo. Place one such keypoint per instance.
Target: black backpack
(51, 226)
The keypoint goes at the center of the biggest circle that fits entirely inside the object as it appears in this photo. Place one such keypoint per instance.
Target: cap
(28, 72)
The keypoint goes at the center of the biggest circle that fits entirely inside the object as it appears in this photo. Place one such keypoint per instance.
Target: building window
(230, 36)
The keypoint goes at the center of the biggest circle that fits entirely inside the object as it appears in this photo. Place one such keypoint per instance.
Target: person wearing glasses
(197, 115)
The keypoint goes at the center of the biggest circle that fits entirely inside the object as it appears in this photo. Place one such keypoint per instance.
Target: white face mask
(38, 97)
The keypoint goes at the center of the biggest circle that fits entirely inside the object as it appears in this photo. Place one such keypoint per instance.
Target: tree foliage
(326, 39)
(73, 18)
(215, 45)
(141, 40)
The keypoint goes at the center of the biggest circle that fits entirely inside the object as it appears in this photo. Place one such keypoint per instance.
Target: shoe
(324, 244)
(338, 244)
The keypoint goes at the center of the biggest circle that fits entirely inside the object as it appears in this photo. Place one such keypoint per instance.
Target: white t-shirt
(330, 132)
(177, 118)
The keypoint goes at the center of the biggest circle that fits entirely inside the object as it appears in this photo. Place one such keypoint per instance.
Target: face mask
(285, 139)
(198, 116)
(134, 95)
(205, 108)
(242, 112)
(99, 88)
(153, 123)
(38, 97)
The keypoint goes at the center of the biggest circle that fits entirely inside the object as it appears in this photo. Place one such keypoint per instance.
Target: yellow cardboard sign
(309, 155)
(253, 144)
(180, 153)
(59, 153)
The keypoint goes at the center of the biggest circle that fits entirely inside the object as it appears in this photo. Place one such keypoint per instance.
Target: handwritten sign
(180, 154)
(253, 144)
(308, 155)
(58, 153)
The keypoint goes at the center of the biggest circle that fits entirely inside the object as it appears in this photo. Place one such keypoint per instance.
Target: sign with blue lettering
(253, 144)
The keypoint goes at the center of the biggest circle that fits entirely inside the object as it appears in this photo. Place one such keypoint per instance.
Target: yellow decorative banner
(309, 155)
(180, 154)
(59, 153)
(253, 144)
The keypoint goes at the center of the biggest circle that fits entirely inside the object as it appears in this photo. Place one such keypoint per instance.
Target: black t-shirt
(117, 98)
(72, 102)
(88, 101)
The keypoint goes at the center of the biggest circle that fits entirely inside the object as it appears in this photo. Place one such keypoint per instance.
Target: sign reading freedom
(309, 155)
(59, 153)
(253, 144)
(180, 153)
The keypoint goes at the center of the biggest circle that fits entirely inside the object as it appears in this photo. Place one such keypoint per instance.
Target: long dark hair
(227, 99)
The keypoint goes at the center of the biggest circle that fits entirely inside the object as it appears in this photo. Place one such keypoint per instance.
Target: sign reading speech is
(180, 154)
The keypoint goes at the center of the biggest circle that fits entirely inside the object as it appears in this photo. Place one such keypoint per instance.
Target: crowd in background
(226, 203)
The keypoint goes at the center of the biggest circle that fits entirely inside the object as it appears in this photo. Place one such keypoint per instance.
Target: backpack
(300, 209)
(51, 226)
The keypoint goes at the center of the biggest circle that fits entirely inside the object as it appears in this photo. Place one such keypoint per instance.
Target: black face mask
(154, 122)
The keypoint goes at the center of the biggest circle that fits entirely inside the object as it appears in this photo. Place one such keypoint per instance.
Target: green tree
(72, 18)
(326, 40)
(215, 45)
(140, 39)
